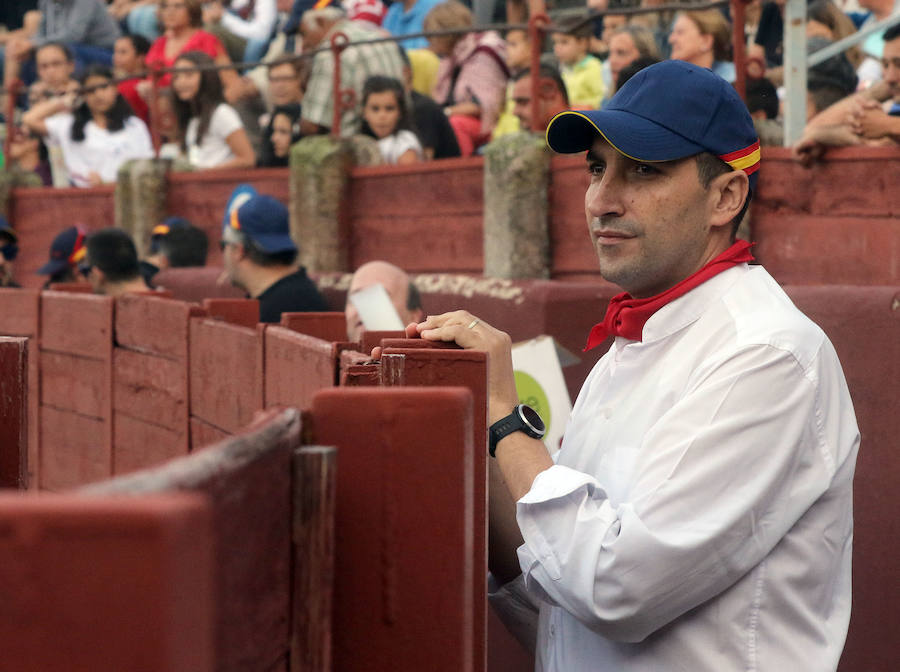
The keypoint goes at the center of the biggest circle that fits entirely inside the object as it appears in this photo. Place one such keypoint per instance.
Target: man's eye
(596, 169)
(645, 169)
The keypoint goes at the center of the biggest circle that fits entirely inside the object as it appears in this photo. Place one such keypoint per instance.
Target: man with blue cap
(260, 257)
(698, 514)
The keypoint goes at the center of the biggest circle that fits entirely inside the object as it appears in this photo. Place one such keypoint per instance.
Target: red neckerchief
(626, 316)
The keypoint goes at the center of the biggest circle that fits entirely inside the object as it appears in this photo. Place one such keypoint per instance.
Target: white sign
(540, 384)
(376, 310)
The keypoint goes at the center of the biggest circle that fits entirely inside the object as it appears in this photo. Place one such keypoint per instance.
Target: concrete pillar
(141, 199)
(516, 180)
(319, 180)
(9, 180)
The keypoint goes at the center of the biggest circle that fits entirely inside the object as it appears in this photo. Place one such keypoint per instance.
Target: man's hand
(872, 123)
(19, 49)
(471, 333)
(811, 147)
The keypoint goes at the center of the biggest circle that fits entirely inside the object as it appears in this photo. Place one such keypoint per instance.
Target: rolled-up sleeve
(716, 482)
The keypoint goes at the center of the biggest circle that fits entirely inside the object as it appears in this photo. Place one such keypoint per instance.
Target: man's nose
(604, 197)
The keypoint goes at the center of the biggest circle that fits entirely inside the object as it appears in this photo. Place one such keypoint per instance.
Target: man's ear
(728, 192)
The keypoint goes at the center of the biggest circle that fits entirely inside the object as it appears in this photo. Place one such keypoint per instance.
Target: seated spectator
(129, 53)
(284, 80)
(763, 104)
(137, 17)
(704, 39)
(626, 45)
(83, 25)
(96, 136)
(581, 71)
(260, 257)
(386, 118)
(358, 63)
(211, 132)
(429, 121)
(553, 98)
(175, 243)
(111, 263)
(281, 133)
(28, 154)
(824, 19)
(472, 78)
(55, 66)
(9, 249)
(182, 21)
(244, 26)
(829, 81)
(406, 17)
(870, 117)
(66, 252)
(767, 45)
(403, 293)
(518, 58)
(633, 68)
(873, 45)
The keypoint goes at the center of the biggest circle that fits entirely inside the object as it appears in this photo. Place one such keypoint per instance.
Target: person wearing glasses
(96, 134)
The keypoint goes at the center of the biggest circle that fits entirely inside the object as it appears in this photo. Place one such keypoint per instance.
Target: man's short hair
(575, 26)
(892, 33)
(547, 71)
(256, 254)
(114, 253)
(709, 167)
(185, 246)
(762, 95)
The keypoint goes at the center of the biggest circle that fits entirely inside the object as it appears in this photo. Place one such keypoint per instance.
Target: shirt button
(552, 630)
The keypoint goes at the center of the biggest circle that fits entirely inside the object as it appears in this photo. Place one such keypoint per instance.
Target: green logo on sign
(531, 393)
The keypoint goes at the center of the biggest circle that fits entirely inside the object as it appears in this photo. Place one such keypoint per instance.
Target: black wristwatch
(522, 419)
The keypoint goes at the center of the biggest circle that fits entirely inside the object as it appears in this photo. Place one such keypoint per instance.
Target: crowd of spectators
(258, 75)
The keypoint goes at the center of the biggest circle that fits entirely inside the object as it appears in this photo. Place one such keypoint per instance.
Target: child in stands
(582, 73)
(97, 134)
(518, 58)
(386, 118)
(282, 132)
(211, 132)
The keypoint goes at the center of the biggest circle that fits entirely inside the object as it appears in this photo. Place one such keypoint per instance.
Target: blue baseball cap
(667, 111)
(164, 228)
(262, 218)
(67, 250)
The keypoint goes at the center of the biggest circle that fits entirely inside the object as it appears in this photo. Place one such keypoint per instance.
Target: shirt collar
(687, 309)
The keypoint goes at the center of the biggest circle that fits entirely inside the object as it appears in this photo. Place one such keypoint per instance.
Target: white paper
(540, 384)
(376, 310)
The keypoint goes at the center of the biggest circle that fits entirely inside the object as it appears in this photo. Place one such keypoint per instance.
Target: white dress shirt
(698, 516)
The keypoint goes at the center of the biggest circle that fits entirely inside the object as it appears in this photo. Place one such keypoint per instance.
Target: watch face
(532, 418)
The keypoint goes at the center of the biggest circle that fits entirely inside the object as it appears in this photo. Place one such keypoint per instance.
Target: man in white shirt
(698, 514)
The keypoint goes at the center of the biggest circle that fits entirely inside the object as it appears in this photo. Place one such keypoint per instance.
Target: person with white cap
(698, 515)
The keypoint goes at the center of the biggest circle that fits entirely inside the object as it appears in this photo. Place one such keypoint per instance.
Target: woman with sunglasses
(96, 134)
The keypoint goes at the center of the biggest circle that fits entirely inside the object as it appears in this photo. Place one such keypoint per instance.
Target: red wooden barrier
(386, 222)
(226, 378)
(106, 584)
(404, 575)
(39, 214)
(327, 326)
(442, 367)
(248, 480)
(196, 283)
(13, 412)
(20, 316)
(150, 381)
(296, 367)
(864, 325)
(244, 312)
(76, 389)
